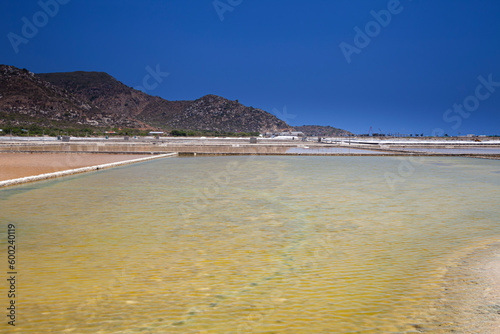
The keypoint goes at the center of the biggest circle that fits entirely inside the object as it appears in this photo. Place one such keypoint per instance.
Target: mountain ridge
(97, 99)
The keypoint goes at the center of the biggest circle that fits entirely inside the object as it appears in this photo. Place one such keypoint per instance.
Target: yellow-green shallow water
(247, 244)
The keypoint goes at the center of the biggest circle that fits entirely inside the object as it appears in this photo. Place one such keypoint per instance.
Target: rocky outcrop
(322, 131)
(97, 100)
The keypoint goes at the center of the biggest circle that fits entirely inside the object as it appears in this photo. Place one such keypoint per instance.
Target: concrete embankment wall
(142, 148)
(230, 147)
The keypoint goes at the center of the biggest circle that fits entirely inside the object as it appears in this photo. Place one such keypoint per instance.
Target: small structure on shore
(292, 133)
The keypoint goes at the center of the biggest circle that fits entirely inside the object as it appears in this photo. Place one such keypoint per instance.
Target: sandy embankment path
(471, 299)
(17, 165)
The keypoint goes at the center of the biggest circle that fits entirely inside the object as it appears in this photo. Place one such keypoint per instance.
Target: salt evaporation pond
(333, 150)
(248, 244)
(468, 150)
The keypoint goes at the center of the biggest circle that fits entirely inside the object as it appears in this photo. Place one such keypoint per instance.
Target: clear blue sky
(271, 54)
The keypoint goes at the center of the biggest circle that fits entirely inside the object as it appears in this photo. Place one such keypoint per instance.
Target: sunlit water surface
(247, 244)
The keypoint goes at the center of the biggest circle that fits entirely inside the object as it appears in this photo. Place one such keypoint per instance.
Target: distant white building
(292, 133)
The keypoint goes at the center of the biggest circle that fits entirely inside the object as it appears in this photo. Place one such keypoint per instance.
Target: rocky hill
(97, 100)
(216, 113)
(115, 98)
(212, 113)
(322, 131)
(26, 98)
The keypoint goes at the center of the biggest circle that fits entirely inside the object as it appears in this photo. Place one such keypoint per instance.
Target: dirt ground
(16, 165)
